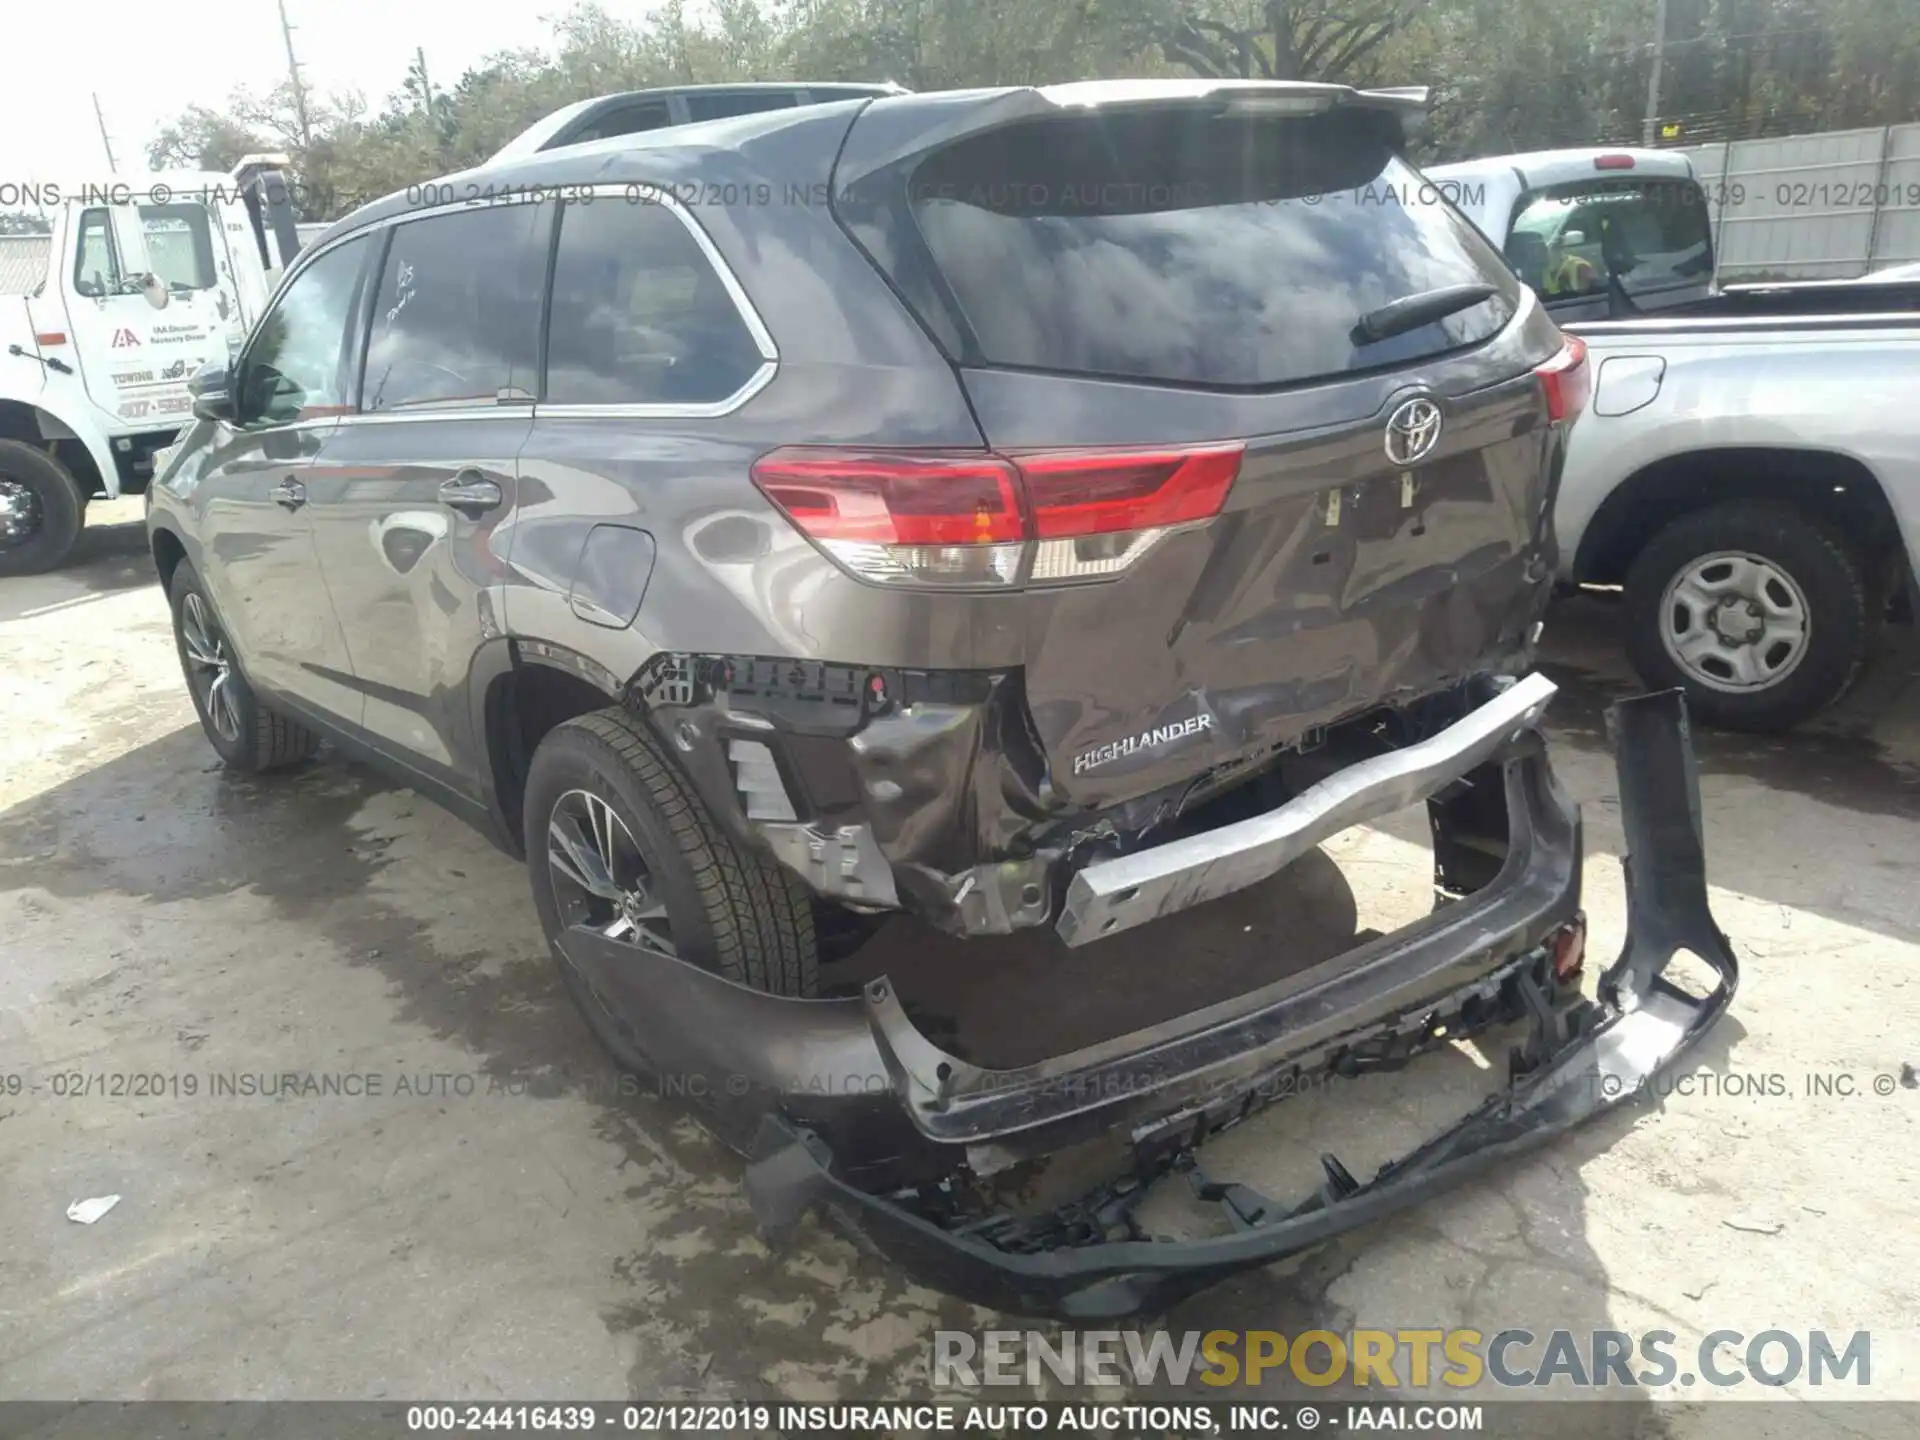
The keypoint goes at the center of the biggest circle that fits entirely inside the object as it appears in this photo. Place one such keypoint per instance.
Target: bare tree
(1331, 40)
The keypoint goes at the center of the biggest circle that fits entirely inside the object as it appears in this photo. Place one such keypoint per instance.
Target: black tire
(57, 509)
(261, 739)
(730, 909)
(1818, 561)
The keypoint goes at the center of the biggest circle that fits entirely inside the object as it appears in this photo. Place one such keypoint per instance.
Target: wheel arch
(520, 690)
(1835, 488)
(169, 551)
(80, 449)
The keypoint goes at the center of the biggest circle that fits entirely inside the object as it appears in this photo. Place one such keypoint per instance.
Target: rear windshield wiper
(1417, 310)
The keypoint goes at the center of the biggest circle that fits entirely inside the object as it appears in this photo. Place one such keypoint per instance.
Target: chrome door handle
(290, 493)
(471, 493)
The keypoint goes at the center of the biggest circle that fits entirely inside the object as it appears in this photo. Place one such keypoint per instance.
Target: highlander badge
(1148, 740)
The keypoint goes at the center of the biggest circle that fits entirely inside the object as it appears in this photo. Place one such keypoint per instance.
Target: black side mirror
(211, 389)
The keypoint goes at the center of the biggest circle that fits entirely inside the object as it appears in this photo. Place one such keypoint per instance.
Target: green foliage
(1506, 74)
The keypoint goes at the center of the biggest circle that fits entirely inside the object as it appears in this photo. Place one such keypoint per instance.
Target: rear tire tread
(761, 917)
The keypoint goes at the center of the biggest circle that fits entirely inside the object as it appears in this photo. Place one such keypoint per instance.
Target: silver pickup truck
(1749, 467)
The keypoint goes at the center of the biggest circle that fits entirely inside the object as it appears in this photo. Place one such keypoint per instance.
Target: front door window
(293, 369)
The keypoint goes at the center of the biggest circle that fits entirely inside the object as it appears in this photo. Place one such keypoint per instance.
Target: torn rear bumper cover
(845, 1106)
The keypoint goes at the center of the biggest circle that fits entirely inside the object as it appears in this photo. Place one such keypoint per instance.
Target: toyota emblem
(1412, 432)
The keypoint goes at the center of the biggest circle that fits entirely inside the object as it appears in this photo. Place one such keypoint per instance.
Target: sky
(145, 75)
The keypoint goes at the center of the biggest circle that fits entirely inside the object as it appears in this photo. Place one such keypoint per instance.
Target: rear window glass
(1569, 240)
(1197, 246)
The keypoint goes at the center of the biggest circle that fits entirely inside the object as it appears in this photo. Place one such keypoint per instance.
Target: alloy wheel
(1734, 622)
(600, 878)
(209, 666)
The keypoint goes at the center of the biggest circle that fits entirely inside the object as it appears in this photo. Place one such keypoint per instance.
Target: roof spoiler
(883, 136)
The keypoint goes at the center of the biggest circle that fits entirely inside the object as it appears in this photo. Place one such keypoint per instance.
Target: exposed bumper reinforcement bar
(1118, 894)
(845, 1106)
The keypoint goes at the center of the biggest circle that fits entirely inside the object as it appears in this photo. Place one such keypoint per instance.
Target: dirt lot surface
(159, 917)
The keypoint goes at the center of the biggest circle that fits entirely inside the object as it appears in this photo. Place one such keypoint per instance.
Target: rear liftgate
(843, 1104)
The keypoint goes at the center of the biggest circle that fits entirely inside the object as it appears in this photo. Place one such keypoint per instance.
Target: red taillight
(1565, 381)
(1093, 492)
(977, 518)
(1613, 162)
(903, 498)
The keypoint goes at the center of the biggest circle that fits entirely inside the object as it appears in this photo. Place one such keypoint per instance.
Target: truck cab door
(108, 318)
(135, 356)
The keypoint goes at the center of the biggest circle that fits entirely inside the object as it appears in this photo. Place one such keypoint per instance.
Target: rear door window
(639, 315)
(625, 120)
(739, 102)
(1196, 245)
(1570, 240)
(456, 317)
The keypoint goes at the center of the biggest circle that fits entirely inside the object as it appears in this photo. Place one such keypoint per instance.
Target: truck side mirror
(211, 389)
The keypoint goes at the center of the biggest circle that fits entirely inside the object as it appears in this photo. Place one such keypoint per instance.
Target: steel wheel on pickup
(41, 510)
(1755, 610)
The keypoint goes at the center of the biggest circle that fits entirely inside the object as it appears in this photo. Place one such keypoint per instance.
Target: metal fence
(1831, 206)
(23, 262)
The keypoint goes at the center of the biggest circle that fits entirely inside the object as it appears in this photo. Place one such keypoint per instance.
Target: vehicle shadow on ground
(164, 823)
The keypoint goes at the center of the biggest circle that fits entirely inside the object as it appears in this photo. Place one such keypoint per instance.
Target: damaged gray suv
(1019, 508)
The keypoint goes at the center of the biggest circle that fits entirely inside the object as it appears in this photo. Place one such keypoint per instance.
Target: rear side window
(640, 316)
(741, 102)
(1197, 246)
(456, 317)
(1570, 240)
(626, 120)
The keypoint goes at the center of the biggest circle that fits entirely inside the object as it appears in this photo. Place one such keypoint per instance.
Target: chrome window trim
(532, 192)
(519, 410)
(260, 428)
(654, 410)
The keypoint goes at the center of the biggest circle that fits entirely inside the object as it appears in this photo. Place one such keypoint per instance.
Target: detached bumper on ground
(844, 1105)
